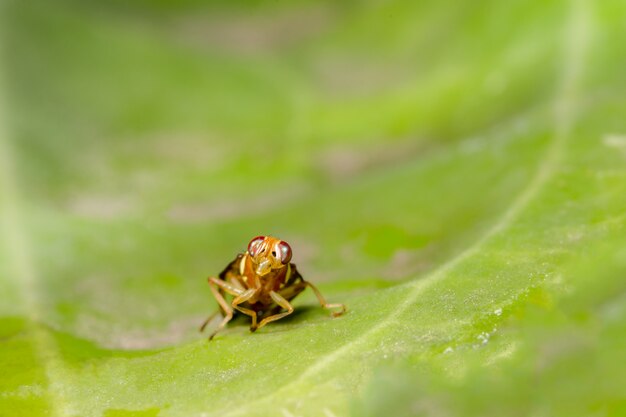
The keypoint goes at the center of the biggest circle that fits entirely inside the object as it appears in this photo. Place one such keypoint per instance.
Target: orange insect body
(262, 281)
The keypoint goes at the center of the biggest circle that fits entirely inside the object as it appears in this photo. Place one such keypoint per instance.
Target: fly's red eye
(255, 245)
(285, 252)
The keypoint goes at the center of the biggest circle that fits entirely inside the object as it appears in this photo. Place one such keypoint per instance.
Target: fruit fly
(262, 281)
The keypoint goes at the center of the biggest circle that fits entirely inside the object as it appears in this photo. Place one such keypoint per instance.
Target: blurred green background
(455, 172)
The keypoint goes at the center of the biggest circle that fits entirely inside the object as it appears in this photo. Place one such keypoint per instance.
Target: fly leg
(234, 283)
(208, 320)
(215, 284)
(242, 298)
(323, 303)
(278, 299)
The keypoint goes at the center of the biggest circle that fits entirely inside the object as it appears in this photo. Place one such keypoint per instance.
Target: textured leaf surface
(455, 174)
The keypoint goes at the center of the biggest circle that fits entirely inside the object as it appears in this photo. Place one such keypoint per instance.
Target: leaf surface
(445, 172)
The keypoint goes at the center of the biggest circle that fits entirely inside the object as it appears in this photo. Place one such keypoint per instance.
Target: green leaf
(455, 174)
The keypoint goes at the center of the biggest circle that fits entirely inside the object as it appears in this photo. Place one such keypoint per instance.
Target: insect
(263, 282)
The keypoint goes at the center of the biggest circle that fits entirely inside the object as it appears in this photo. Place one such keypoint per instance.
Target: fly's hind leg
(208, 320)
(218, 311)
(323, 303)
(216, 284)
(278, 299)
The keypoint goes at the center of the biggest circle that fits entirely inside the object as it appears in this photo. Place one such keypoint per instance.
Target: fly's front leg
(242, 298)
(323, 303)
(214, 284)
(278, 299)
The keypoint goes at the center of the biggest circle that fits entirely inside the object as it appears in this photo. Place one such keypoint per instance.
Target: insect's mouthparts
(263, 267)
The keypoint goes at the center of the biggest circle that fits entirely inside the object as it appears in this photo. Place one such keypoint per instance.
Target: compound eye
(255, 245)
(284, 252)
